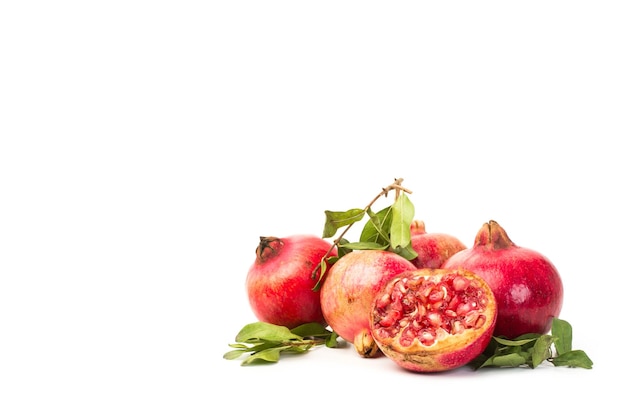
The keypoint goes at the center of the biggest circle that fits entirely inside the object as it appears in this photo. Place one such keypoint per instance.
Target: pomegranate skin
(279, 283)
(349, 288)
(459, 319)
(527, 286)
(433, 249)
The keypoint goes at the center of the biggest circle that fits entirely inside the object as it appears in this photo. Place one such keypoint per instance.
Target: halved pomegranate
(432, 320)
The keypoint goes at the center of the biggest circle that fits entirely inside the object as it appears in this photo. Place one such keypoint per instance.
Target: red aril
(280, 281)
(527, 286)
(432, 320)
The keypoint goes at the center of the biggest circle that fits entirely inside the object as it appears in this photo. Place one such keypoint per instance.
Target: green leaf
(532, 349)
(573, 359)
(403, 212)
(299, 348)
(319, 275)
(541, 350)
(363, 246)
(338, 219)
(406, 252)
(238, 345)
(331, 341)
(265, 341)
(509, 360)
(341, 251)
(254, 346)
(516, 342)
(257, 347)
(332, 259)
(528, 336)
(233, 354)
(562, 331)
(269, 355)
(377, 228)
(311, 330)
(265, 331)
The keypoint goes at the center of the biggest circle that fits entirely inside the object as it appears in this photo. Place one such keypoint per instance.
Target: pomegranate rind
(279, 284)
(449, 351)
(432, 249)
(527, 285)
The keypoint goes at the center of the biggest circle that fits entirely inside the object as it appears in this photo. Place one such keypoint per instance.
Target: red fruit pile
(424, 300)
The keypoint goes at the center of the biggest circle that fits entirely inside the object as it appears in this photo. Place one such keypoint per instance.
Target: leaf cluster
(387, 229)
(532, 349)
(266, 342)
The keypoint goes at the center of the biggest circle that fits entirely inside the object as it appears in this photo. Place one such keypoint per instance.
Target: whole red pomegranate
(528, 287)
(349, 288)
(433, 249)
(280, 282)
(432, 320)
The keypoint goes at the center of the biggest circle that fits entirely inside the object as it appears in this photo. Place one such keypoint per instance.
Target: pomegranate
(348, 290)
(527, 286)
(433, 249)
(280, 281)
(432, 320)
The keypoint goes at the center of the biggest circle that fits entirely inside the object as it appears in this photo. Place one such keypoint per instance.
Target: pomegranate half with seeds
(433, 320)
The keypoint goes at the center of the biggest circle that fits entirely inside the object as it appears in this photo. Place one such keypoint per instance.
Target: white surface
(145, 146)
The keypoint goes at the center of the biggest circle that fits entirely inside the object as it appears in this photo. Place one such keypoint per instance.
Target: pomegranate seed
(457, 327)
(434, 318)
(454, 302)
(407, 337)
(460, 283)
(391, 318)
(383, 301)
(450, 313)
(436, 295)
(463, 309)
(421, 310)
(426, 337)
(470, 319)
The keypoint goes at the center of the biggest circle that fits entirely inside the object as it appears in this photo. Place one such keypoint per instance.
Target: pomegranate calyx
(418, 227)
(365, 344)
(268, 248)
(493, 236)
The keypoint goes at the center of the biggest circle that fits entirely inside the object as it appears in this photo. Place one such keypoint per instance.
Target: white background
(145, 147)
